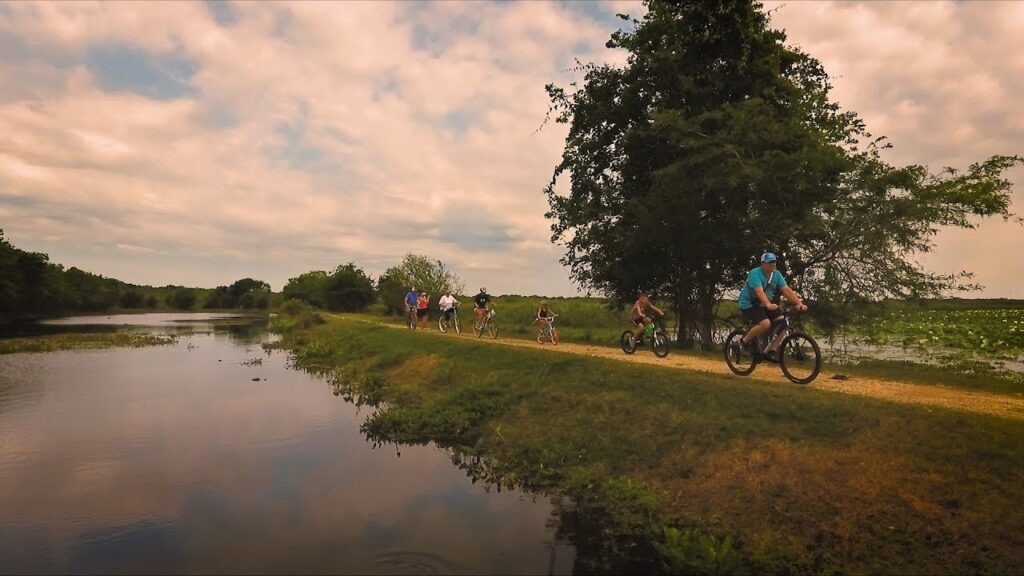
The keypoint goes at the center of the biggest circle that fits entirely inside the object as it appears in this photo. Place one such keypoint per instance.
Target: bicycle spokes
(800, 358)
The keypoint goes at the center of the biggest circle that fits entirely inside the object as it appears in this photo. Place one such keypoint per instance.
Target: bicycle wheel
(541, 336)
(628, 342)
(478, 329)
(660, 340)
(410, 322)
(554, 336)
(455, 323)
(737, 356)
(800, 358)
(442, 324)
(492, 329)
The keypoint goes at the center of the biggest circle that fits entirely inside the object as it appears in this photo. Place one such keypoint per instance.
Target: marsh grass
(55, 342)
(798, 480)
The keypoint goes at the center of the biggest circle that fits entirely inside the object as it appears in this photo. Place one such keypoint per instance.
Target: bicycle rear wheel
(737, 356)
(660, 340)
(800, 358)
(442, 324)
(628, 342)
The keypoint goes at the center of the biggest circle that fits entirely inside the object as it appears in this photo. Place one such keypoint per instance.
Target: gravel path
(893, 391)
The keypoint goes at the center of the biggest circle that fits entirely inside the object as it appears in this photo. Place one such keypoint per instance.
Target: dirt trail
(893, 391)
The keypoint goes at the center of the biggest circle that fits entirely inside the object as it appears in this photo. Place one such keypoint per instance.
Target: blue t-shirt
(411, 298)
(757, 279)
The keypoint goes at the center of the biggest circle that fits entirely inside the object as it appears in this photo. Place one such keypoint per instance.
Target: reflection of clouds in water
(169, 451)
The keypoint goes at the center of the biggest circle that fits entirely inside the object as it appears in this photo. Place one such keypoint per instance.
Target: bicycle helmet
(484, 290)
(768, 257)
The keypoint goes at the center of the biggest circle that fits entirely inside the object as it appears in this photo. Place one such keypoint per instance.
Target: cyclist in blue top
(756, 296)
(411, 300)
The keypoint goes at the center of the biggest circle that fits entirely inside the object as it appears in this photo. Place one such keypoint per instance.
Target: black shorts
(638, 321)
(421, 312)
(757, 313)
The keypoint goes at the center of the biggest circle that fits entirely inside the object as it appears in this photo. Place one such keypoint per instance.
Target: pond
(213, 455)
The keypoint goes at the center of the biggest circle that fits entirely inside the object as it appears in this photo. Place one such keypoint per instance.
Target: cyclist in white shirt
(447, 303)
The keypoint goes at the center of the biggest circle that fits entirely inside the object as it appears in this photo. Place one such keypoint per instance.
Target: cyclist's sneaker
(771, 355)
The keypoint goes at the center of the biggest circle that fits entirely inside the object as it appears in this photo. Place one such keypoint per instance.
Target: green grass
(962, 374)
(796, 480)
(51, 343)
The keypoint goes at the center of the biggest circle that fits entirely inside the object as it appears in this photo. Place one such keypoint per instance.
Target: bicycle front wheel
(800, 358)
(455, 323)
(492, 329)
(660, 340)
(442, 324)
(554, 335)
(737, 356)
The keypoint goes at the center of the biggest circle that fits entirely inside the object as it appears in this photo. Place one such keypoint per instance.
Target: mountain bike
(450, 320)
(653, 333)
(546, 332)
(798, 355)
(410, 317)
(488, 325)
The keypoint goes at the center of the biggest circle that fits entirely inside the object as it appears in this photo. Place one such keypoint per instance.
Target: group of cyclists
(755, 303)
(417, 305)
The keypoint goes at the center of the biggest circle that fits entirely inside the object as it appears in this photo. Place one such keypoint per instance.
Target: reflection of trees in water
(602, 544)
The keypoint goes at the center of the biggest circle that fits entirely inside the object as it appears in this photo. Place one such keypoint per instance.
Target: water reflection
(599, 545)
(191, 458)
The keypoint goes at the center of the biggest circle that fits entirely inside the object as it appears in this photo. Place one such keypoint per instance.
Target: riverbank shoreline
(776, 478)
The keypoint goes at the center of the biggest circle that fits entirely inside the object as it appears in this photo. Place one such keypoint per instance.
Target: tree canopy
(716, 142)
(426, 274)
(347, 288)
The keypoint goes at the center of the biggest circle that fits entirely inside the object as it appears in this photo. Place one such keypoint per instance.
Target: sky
(199, 143)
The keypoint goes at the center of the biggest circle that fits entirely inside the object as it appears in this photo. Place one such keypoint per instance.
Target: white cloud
(314, 134)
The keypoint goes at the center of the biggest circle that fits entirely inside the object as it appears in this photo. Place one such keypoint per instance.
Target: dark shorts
(421, 312)
(638, 320)
(757, 313)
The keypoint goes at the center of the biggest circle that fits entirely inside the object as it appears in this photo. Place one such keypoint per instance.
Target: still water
(213, 455)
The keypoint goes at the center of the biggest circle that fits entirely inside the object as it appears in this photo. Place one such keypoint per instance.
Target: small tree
(309, 287)
(431, 276)
(348, 289)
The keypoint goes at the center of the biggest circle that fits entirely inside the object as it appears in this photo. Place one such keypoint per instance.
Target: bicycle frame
(546, 331)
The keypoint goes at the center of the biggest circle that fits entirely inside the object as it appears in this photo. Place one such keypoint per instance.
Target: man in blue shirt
(756, 296)
(411, 299)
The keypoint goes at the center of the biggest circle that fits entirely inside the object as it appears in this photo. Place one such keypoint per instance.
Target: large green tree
(716, 142)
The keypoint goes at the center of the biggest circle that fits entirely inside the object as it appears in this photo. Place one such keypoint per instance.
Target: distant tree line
(349, 289)
(33, 287)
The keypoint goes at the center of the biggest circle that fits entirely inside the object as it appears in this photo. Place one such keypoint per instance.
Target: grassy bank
(695, 472)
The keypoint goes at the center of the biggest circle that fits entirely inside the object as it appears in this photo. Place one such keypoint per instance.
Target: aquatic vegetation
(54, 342)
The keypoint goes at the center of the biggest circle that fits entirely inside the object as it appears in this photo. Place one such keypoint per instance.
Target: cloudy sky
(199, 143)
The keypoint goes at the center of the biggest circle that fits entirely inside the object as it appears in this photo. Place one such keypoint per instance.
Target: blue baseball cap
(768, 257)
